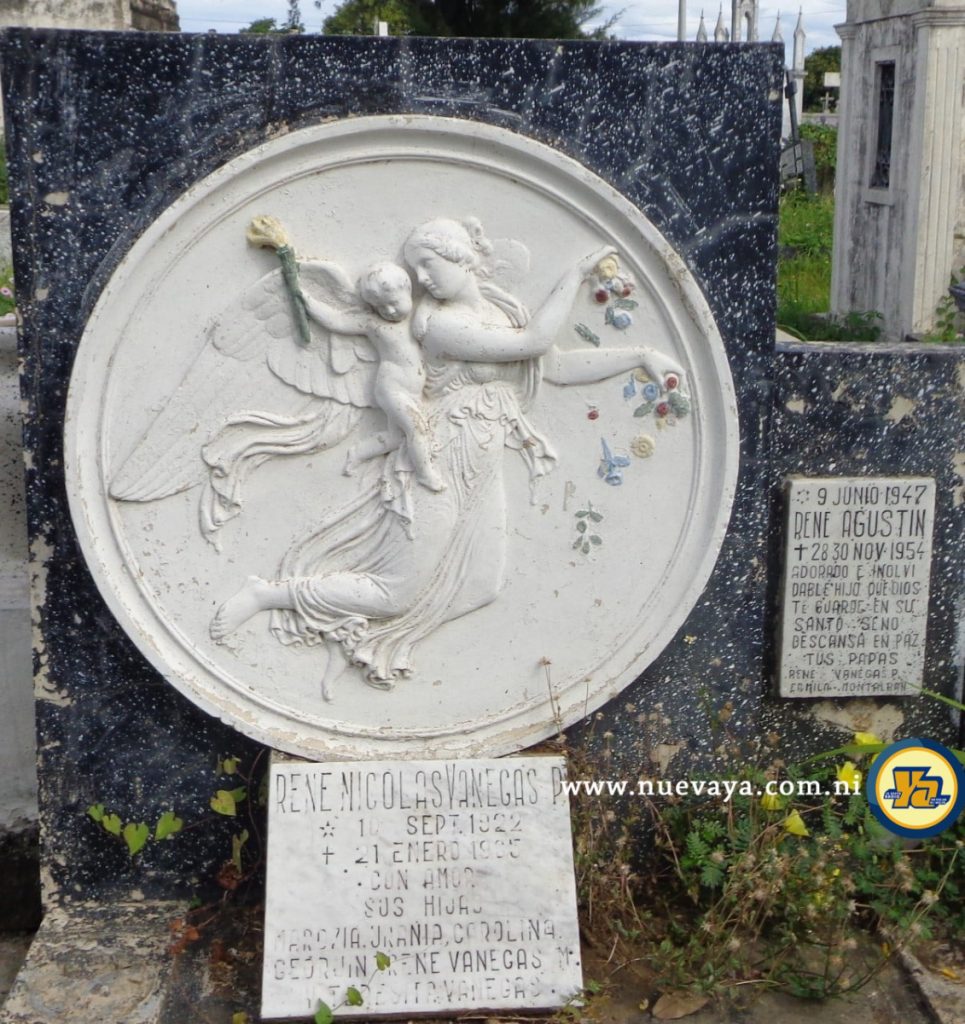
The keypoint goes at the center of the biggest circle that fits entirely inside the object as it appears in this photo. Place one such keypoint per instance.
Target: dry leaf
(674, 1005)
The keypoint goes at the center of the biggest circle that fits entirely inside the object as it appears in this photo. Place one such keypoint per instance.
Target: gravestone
(428, 886)
(856, 582)
(144, 178)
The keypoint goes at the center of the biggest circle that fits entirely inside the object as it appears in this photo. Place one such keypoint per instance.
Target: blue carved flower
(621, 320)
(650, 391)
(612, 466)
(630, 388)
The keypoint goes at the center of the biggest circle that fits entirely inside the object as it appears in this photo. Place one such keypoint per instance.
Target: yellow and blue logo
(916, 788)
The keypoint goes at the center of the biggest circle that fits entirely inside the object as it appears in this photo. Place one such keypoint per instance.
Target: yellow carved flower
(267, 232)
(794, 824)
(608, 267)
(641, 375)
(643, 446)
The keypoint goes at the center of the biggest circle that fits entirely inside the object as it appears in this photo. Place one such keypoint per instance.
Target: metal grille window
(881, 173)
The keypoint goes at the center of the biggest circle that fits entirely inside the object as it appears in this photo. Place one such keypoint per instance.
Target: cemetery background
(886, 402)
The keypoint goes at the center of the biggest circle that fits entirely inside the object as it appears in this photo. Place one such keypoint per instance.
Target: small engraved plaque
(857, 568)
(459, 872)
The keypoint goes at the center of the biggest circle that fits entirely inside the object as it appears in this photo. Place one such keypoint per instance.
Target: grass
(805, 231)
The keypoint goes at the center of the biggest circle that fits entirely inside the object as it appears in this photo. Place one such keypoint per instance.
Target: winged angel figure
(455, 372)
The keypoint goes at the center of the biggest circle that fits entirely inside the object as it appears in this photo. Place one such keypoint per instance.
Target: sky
(643, 19)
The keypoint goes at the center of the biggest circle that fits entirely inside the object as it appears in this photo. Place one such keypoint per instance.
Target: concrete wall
(91, 14)
(895, 247)
(154, 15)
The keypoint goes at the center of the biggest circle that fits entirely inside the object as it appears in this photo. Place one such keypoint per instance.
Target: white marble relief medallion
(401, 437)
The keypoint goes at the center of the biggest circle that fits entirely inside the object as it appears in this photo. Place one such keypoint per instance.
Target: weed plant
(765, 891)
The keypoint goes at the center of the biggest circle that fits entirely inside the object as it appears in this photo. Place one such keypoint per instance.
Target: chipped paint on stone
(95, 962)
(797, 405)
(958, 468)
(663, 753)
(900, 408)
(57, 198)
(862, 715)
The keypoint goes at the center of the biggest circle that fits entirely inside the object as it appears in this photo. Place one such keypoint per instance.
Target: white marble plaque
(857, 569)
(401, 437)
(460, 872)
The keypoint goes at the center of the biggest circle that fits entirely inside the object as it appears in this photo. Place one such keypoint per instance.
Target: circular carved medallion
(401, 436)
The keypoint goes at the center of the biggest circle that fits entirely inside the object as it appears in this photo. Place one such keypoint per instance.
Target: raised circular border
(368, 139)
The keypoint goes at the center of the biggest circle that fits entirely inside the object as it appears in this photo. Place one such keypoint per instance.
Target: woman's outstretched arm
(589, 365)
(453, 332)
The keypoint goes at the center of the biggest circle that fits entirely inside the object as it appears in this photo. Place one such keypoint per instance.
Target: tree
(539, 19)
(270, 27)
(293, 22)
(827, 58)
(261, 27)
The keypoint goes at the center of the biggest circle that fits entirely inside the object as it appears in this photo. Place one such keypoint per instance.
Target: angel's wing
(250, 362)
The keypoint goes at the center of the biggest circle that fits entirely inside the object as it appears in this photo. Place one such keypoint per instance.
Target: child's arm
(336, 320)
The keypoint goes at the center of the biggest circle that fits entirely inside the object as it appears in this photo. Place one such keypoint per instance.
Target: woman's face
(441, 278)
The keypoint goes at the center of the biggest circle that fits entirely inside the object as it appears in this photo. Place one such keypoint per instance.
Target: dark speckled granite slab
(123, 123)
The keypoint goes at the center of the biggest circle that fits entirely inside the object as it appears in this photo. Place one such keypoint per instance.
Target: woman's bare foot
(337, 664)
(257, 595)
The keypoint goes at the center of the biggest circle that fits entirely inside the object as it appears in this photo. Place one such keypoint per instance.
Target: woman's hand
(659, 367)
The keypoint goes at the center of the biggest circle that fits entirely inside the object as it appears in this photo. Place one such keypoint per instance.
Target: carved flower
(621, 320)
(650, 391)
(267, 232)
(608, 267)
(641, 374)
(643, 446)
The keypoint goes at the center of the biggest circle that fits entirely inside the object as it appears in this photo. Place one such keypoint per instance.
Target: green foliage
(826, 58)
(167, 826)
(540, 19)
(8, 301)
(359, 17)
(824, 142)
(135, 836)
(4, 181)
(947, 318)
(226, 801)
(754, 889)
(270, 27)
(805, 233)
(806, 224)
(325, 1014)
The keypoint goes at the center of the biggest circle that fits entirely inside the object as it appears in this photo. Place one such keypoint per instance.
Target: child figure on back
(400, 378)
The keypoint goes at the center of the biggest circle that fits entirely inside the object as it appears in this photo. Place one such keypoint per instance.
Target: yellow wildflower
(848, 772)
(794, 824)
(864, 738)
(772, 802)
